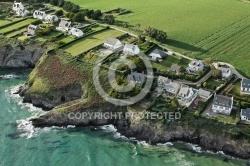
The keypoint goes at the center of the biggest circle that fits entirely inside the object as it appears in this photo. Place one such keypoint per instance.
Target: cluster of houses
(116, 45)
(64, 26)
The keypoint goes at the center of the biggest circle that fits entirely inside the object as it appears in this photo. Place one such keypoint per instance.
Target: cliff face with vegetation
(63, 84)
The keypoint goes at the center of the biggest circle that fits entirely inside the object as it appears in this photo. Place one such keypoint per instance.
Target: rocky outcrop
(53, 98)
(19, 56)
(150, 132)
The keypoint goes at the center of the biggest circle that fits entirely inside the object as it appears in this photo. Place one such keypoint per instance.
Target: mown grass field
(89, 42)
(9, 35)
(17, 25)
(198, 28)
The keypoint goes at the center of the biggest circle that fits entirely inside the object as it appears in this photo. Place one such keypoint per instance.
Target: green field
(89, 42)
(9, 35)
(200, 28)
(17, 25)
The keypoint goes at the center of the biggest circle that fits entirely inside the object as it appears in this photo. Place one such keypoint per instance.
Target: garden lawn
(90, 41)
(236, 91)
(207, 28)
(212, 83)
(166, 64)
(17, 25)
(20, 31)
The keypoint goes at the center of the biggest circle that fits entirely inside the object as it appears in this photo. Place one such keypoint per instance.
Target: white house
(39, 14)
(112, 44)
(222, 104)
(245, 114)
(226, 73)
(167, 86)
(136, 78)
(157, 55)
(19, 9)
(17, 5)
(187, 95)
(31, 31)
(50, 18)
(245, 86)
(76, 32)
(131, 49)
(195, 66)
(64, 26)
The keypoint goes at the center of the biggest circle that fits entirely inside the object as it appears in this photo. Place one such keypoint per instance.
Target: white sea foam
(9, 76)
(109, 128)
(165, 144)
(195, 147)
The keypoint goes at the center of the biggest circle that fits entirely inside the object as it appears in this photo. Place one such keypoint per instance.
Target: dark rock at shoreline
(14, 56)
(53, 98)
(145, 131)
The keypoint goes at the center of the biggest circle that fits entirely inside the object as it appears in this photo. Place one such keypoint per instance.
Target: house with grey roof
(169, 87)
(222, 104)
(245, 86)
(31, 31)
(157, 55)
(136, 78)
(245, 114)
(131, 49)
(175, 68)
(112, 44)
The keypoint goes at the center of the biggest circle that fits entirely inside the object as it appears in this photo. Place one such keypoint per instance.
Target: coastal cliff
(65, 86)
(20, 56)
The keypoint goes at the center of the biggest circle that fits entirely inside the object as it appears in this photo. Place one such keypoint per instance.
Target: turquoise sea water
(22, 145)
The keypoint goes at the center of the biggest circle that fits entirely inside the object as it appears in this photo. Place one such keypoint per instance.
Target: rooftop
(111, 41)
(246, 112)
(221, 100)
(245, 83)
(159, 52)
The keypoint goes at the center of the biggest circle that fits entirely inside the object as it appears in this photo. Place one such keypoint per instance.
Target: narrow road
(233, 69)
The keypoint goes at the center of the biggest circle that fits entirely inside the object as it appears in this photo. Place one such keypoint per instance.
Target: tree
(109, 19)
(159, 35)
(59, 13)
(204, 84)
(208, 61)
(89, 13)
(78, 17)
(96, 15)
(216, 73)
(53, 2)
